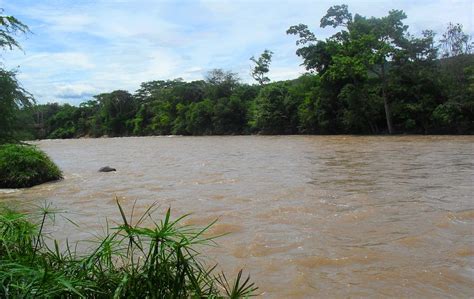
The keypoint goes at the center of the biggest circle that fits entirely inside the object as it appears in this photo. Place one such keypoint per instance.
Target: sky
(80, 48)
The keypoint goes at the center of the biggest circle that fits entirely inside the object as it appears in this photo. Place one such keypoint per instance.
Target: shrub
(132, 261)
(25, 166)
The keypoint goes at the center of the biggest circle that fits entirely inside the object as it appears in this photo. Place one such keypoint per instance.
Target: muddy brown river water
(308, 216)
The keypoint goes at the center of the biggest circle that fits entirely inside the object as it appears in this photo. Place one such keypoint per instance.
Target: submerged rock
(107, 169)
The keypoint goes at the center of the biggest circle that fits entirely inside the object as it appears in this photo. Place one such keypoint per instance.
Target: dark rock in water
(107, 169)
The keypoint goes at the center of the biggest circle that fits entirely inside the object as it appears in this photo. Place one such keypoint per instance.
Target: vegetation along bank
(371, 77)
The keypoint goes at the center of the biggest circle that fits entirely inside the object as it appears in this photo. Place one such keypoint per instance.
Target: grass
(131, 261)
(25, 166)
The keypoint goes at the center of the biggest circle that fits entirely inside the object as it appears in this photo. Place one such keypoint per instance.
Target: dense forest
(371, 77)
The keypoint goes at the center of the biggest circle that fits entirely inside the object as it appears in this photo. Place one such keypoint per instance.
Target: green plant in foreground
(131, 261)
(25, 166)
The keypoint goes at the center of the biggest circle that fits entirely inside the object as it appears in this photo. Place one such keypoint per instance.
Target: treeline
(371, 77)
(428, 99)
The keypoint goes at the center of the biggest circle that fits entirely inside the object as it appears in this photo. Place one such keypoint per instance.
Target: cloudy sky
(79, 48)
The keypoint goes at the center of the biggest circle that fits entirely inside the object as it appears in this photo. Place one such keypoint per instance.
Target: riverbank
(132, 260)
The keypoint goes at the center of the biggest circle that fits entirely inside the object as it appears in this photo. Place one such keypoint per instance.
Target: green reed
(133, 260)
(25, 166)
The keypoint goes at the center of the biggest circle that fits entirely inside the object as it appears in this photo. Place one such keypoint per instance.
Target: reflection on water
(309, 216)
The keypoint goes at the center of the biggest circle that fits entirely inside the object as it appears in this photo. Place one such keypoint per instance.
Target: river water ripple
(309, 216)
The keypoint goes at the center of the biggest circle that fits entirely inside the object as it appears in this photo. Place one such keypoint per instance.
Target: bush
(133, 261)
(25, 166)
(62, 133)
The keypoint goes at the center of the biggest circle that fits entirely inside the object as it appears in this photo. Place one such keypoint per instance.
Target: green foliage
(262, 67)
(446, 114)
(116, 109)
(9, 26)
(229, 116)
(134, 260)
(12, 95)
(276, 110)
(25, 166)
(337, 15)
(221, 83)
(63, 123)
(362, 108)
(199, 118)
(371, 65)
(12, 98)
(456, 112)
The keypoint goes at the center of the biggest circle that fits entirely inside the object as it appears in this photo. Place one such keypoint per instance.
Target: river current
(308, 216)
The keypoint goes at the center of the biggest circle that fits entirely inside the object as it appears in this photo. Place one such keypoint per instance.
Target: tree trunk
(388, 112)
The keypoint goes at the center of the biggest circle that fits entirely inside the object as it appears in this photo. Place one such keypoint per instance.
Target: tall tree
(221, 83)
(276, 110)
(117, 110)
(12, 95)
(364, 50)
(262, 67)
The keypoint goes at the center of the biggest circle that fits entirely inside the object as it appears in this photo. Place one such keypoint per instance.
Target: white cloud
(284, 73)
(58, 61)
(68, 22)
(74, 91)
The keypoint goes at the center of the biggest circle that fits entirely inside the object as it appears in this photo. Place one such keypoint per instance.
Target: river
(308, 216)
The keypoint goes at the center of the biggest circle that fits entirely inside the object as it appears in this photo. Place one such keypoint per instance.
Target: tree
(199, 118)
(275, 110)
(262, 67)
(229, 116)
(10, 26)
(12, 98)
(64, 123)
(455, 42)
(117, 110)
(363, 51)
(369, 46)
(221, 83)
(337, 15)
(12, 95)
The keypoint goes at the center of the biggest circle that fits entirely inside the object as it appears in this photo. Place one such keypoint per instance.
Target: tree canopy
(13, 96)
(9, 27)
(262, 67)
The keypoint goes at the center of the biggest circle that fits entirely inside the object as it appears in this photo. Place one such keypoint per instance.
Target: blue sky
(81, 48)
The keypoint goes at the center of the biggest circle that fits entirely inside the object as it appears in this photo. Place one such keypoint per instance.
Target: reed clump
(25, 166)
(131, 261)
